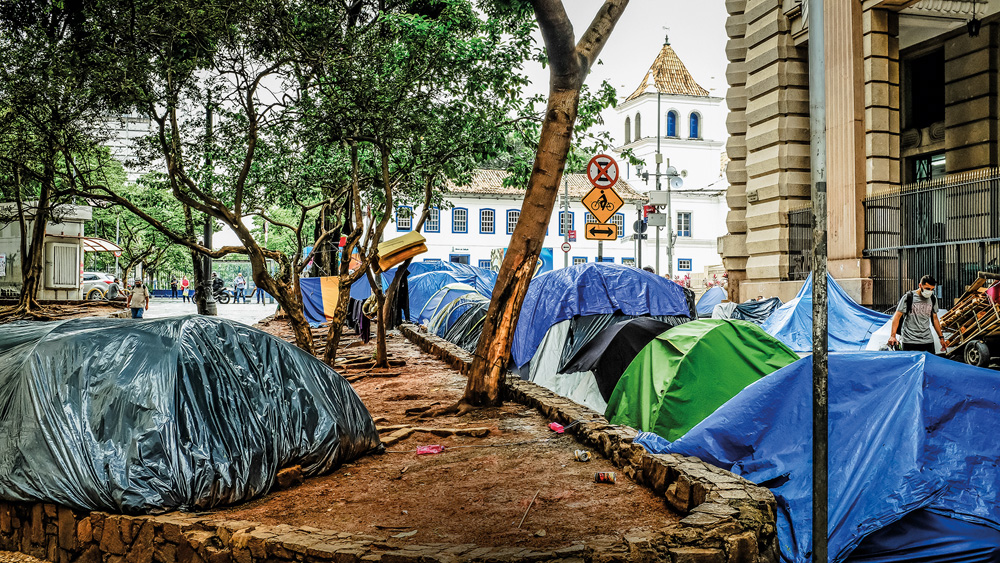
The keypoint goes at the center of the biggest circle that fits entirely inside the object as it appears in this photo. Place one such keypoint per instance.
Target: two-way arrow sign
(601, 231)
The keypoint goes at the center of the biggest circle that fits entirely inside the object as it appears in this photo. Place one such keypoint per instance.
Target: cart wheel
(977, 354)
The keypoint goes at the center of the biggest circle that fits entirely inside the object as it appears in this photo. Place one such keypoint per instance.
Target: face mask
(926, 293)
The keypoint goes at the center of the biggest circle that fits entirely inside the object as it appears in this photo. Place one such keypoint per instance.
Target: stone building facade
(912, 103)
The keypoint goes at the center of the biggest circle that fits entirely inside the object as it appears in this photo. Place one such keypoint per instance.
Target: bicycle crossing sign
(602, 203)
(601, 231)
(602, 171)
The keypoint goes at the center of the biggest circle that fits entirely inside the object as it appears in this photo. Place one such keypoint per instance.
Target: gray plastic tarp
(143, 416)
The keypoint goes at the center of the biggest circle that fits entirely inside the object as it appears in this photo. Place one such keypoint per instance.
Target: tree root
(460, 408)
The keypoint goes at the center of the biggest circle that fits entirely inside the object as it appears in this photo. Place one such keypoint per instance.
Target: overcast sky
(697, 33)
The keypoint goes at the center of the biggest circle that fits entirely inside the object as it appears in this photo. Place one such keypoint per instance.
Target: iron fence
(800, 241)
(948, 228)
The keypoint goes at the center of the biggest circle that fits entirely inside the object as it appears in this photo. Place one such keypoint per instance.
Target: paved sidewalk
(248, 313)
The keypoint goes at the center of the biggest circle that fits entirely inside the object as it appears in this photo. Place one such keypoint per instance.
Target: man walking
(138, 300)
(916, 311)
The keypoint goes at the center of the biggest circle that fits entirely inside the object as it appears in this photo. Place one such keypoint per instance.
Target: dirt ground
(477, 490)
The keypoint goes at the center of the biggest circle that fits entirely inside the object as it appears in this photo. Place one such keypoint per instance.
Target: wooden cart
(972, 326)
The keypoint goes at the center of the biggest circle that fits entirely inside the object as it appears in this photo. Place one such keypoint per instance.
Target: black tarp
(141, 416)
(756, 312)
(466, 330)
(611, 351)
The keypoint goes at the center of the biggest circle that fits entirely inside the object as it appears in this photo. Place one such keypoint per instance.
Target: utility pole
(671, 175)
(659, 159)
(817, 158)
(210, 306)
(638, 235)
(562, 220)
(118, 243)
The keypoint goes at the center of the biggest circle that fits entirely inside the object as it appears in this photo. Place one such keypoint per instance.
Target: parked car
(95, 284)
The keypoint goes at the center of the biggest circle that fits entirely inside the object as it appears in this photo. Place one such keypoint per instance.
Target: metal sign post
(820, 406)
(562, 226)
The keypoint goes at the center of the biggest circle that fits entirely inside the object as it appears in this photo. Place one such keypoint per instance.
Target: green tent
(687, 372)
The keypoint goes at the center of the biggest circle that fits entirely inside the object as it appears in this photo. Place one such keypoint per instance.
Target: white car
(95, 284)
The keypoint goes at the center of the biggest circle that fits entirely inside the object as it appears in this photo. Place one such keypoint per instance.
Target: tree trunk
(31, 261)
(518, 267)
(569, 65)
(297, 319)
(381, 350)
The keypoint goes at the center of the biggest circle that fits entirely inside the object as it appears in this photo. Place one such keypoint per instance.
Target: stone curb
(728, 519)
(58, 534)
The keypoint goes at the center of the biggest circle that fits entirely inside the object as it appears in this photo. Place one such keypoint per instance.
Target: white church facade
(671, 114)
(479, 218)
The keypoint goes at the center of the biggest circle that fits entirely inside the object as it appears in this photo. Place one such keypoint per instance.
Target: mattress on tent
(850, 324)
(909, 432)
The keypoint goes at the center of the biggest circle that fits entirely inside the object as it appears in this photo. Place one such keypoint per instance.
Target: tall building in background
(670, 109)
(913, 145)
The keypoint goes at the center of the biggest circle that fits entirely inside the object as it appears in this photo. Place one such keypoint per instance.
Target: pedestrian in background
(241, 288)
(261, 296)
(185, 288)
(138, 300)
(915, 315)
(173, 287)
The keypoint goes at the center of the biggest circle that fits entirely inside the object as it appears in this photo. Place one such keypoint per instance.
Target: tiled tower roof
(668, 75)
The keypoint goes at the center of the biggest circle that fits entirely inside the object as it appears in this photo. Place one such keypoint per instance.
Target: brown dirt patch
(477, 490)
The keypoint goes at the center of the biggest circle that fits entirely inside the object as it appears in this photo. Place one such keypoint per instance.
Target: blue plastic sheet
(709, 300)
(480, 278)
(850, 324)
(591, 289)
(908, 431)
(440, 299)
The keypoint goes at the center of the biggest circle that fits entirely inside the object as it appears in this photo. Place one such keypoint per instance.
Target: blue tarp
(709, 300)
(851, 325)
(440, 299)
(480, 278)
(908, 432)
(591, 289)
(447, 316)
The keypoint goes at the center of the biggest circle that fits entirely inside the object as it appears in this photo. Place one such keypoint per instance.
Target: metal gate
(948, 228)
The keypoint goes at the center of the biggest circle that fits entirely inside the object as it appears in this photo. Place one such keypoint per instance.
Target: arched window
(628, 130)
(694, 129)
(638, 127)
(671, 123)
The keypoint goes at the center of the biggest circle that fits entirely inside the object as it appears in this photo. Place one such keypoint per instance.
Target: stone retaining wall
(728, 519)
(61, 535)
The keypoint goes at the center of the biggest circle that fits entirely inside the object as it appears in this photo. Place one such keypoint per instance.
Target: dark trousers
(173, 293)
(919, 347)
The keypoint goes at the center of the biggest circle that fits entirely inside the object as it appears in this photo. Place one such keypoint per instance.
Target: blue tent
(851, 325)
(591, 289)
(709, 300)
(449, 314)
(441, 299)
(480, 278)
(913, 456)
